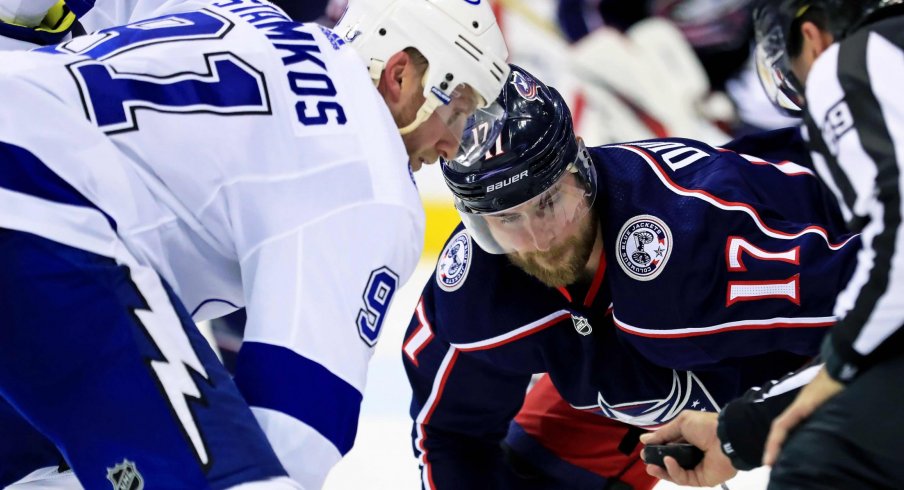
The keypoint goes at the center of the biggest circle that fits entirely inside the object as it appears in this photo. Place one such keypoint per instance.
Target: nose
(543, 233)
(447, 145)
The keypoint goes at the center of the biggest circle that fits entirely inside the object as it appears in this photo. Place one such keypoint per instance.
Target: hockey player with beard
(643, 278)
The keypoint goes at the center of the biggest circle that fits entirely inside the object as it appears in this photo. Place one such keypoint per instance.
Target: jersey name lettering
(307, 77)
(678, 155)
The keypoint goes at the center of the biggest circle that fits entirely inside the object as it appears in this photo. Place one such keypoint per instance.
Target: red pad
(584, 439)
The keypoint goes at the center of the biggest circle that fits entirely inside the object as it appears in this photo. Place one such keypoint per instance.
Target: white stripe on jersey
(885, 63)
(790, 383)
(730, 206)
(786, 167)
(515, 334)
(423, 417)
(820, 100)
(768, 323)
(822, 168)
(421, 336)
(75, 226)
(866, 257)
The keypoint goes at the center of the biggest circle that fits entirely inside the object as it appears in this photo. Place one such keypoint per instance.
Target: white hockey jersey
(251, 162)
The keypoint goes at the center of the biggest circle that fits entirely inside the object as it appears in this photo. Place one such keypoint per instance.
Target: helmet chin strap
(430, 103)
(423, 114)
(376, 69)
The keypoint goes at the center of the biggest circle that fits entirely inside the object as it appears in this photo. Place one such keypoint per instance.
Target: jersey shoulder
(473, 295)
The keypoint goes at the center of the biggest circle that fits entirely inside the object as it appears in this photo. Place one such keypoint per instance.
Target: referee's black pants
(855, 441)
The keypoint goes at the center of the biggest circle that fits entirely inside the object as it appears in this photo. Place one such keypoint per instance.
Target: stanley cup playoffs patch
(455, 261)
(644, 246)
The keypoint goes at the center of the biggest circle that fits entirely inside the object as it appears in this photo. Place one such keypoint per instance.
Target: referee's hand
(808, 400)
(699, 429)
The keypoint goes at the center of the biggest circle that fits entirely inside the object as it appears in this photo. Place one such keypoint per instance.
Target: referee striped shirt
(855, 124)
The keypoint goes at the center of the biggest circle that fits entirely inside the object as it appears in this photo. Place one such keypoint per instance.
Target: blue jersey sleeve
(461, 407)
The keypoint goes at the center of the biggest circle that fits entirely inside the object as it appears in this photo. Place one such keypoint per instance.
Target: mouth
(554, 257)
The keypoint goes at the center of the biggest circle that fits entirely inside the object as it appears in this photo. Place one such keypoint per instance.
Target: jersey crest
(454, 262)
(644, 246)
(687, 392)
(526, 88)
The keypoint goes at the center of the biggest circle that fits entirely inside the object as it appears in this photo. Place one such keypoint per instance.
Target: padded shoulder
(474, 296)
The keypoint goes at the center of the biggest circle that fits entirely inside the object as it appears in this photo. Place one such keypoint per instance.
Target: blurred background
(630, 70)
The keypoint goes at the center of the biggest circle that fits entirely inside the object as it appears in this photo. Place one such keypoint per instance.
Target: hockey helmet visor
(465, 116)
(773, 64)
(543, 221)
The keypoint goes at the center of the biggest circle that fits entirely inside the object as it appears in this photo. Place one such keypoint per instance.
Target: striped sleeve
(461, 406)
(744, 423)
(856, 125)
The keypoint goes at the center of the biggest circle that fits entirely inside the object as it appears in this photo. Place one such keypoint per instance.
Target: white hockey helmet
(459, 38)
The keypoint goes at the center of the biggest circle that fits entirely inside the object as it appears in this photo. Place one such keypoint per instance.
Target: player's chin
(415, 163)
(557, 258)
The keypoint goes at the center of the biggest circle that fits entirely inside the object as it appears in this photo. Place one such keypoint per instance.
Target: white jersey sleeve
(316, 305)
(273, 177)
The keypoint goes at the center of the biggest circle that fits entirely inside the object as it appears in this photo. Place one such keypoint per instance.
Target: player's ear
(815, 39)
(392, 80)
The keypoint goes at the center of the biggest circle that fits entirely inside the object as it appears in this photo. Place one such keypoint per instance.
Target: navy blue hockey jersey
(719, 271)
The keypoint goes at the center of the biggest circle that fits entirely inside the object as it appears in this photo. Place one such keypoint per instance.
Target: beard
(564, 264)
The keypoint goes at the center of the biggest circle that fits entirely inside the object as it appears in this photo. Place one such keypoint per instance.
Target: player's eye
(457, 117)
(550, 199)
(509, 219)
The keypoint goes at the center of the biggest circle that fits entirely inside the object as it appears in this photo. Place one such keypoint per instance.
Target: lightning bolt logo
(179, 357)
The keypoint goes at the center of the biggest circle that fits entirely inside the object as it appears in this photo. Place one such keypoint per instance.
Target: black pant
(854, 441)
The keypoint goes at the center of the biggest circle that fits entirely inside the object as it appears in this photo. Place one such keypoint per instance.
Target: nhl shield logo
(581, 324)
(644, 246)
(125, 476)
(454, 262)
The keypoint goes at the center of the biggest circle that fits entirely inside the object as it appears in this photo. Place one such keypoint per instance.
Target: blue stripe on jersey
(313, 394)
(25, 173)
